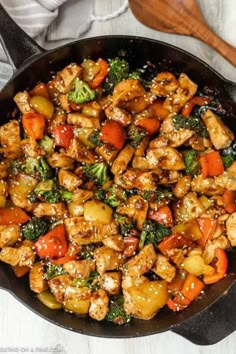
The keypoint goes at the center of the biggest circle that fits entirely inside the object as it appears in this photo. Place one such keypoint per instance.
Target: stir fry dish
(117, 193)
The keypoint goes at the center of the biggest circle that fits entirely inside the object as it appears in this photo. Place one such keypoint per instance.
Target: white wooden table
(21, 329)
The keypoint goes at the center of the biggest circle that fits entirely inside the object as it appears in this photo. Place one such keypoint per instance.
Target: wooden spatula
(181, 17)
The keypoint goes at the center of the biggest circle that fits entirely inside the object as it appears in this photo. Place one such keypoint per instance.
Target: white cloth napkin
(51, 22)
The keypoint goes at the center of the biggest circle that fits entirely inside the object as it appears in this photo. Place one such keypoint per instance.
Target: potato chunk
(77, 300)
(145, 300)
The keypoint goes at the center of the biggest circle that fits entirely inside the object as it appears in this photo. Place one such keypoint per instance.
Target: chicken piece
(231, 229)
(199, 143)
(10, 139)
(176, 255)
(3, 192)
(69, 180)
(163, 268)
(135, 208)
(84, 232)
(9, 235)
(167, 158)
(107, 259)
(118, 114)
(111, 282)
(145, 300)
(227, 179)
(108, 152)
(221, 136)
(170, 136)
(81, 196)
(164, 84)
(27, 256)
(63, 82)
(10, 255)
(166, 177)
(182, 187)
(115, 242)
(19, 188)
(140, 151)
(61, 160)
(99, 305)
(31, 148)
(127, 90)
(80, 152)
(188, 208)
(142, 262)
(77, 300)
(37, 282)
(58, 286)
(121, 162)
(83, 121)
(141, 163)
(129, 281)
(59, 117)
(136, 179)
(64, 102)
(4, 168)
(80, 269)
(209, 250)
(58, 210)
(206, 186)
(186, 90)
(139, 104)
(22, 100)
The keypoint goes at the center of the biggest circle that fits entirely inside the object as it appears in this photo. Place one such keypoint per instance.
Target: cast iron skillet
(206, 321)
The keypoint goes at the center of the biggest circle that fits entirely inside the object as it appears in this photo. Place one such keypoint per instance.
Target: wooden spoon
(182, 17)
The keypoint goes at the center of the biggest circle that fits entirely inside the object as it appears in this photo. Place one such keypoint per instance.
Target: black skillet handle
(18, 46)
(214, 324)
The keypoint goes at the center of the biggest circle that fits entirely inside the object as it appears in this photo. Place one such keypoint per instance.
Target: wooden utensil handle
(213, 40)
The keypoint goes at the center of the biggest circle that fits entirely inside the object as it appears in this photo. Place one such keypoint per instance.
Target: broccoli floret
(126, 225)
(35, 228)
(100, 194)
(228, 160)
(136, 135)
(37, 167)
(86, 251)
(53, 271)
(89, 282)
(157, 196)
(191, 162)
(47, 144)
(94, 137)
(116, 312)
(192, 123)
(118, 71)
(97, 172)
(49, 191)
(228, 155)
(81, 92)
(137, 75)
(153, 232)
(114, 196)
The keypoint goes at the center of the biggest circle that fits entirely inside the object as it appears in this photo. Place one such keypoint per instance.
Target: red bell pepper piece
(162, 215)
(63, 260)
(221, 266)
(212, 164)
(192, 287)
(208, 228)
(195, 101)
(173, 241)
(34, 125)
(63, 134)
(113, 133)
(229, 200)
(40, 90)
(53, 244)
(13, 215)
(98, 79)
(151, 125)
(131, 246)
